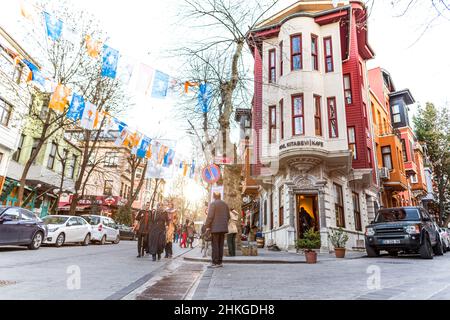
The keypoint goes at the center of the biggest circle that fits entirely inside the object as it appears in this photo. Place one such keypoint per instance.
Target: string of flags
(150, 82)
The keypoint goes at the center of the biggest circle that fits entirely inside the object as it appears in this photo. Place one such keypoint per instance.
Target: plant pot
(311, 257)
(340, 253)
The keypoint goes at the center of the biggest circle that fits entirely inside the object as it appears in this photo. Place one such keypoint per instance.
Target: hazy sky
(147, 29)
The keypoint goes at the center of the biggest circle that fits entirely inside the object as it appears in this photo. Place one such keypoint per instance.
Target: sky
(147, 30)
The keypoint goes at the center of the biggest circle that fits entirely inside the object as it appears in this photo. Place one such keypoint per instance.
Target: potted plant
(338, 239)
(310, 243)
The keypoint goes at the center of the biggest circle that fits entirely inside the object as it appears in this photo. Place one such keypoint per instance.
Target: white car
(104, 229)
(67, 229)
(445, 238)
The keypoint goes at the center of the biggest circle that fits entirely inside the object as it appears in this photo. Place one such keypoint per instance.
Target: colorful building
(313, 150)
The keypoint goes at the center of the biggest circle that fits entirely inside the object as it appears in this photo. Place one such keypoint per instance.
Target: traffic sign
(211, 174)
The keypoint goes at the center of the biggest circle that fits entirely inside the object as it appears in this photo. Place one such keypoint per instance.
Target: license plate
(391, 241)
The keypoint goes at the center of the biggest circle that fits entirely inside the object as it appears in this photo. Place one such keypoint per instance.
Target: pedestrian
(232, 232)
(157, 235)
(184, 235)
(190, 234)
(217, 224)
(175, 234)
(206, 240)
(143, 229)
(170, 232)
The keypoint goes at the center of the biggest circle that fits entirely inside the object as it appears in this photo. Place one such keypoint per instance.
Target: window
(318, 115)
(296, 52)
(13, 214)
(352, 142)
(138, 173)
(108, 189)
(111, 159)
(272, 66)
(369, 156)
(396, 117)
(281, 206)
(339, 206)
(405, 153)
(414, 179)
(387, 157)
(315, 52)
(34, 148)
(16, 155)
(282, 118)
(72, 164)
(272, 205)
(298, 123)
(328, 47)
(281, 58)
(272, 124)
(5, 112)
(332, 118)
(52, 156)
(265, 213)
(348, 90)
(357, 212)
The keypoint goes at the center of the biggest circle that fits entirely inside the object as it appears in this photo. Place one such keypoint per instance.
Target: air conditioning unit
(385, 174)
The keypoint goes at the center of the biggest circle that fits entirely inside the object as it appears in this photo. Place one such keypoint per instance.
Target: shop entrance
(307, 214)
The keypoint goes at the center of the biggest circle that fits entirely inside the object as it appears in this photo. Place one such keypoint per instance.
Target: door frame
(316, 206)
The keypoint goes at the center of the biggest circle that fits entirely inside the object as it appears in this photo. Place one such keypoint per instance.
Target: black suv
(409, 229)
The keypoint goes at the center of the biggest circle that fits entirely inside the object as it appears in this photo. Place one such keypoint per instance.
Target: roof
(406, 94)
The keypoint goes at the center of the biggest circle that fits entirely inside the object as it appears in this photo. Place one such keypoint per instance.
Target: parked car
(21, 227)
(67, 229)
(126, 232)
(408, 229)
(445, 236)
(104, 229)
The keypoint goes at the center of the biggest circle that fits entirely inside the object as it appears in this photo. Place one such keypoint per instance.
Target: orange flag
(93, 47)
(149, 152)
(59, 98)
(185, 169)
(188, 84)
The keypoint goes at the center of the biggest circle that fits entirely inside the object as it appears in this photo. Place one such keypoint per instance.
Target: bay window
(282, 118)
(387, 157)
(315, 52)
(296, 52)
(332, 118)
(328, 48)
(272, 66)
(352, 142)
(348, 90)
(281, 58)
(272, 124)
(318, 115)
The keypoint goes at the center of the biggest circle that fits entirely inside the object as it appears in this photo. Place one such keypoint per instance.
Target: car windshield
(394, 215)
(2, 209)
(55, 220)
(93, 221)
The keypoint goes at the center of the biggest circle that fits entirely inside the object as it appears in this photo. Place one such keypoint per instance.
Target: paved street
(113, 272)
(43, 274)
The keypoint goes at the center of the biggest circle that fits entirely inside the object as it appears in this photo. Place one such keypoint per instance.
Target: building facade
(312, 141)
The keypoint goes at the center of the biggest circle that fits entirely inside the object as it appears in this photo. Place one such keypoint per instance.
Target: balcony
(395, 179)
(249, 185)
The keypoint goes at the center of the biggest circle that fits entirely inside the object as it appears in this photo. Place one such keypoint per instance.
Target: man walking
(217, 224)
(143, 229)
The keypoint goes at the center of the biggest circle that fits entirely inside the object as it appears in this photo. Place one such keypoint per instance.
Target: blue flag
(191, 175)
(76, 108)
(121, 125)
(204, 97)
(168, 158)
(143, 147)
(36, 75)
(54, 26)
(110, 62)
(160, 85)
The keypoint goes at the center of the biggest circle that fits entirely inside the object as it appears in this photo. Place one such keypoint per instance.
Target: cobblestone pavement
(106, 272)
(355, 279)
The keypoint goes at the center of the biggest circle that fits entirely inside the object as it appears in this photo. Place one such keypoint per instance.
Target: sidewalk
(270, 257)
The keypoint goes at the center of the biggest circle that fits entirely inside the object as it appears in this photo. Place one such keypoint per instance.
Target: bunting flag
(155, 150)
(125, 69)
(149, 153)
(35, 74)
(189, 84)
(110, 62)
(93, 47)
(109, 123)
(144, 80)
(162, 153)
(76, 108)
(59, 99)
(54, 26)
(89, 116)
(160, 85)
(168, 158)
(192, 173)
(204, 97)
(185, 169)
(122, 138)
(143, 147)
(120, 125)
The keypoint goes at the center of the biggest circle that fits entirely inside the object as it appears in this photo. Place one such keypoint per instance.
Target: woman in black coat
(157, 234)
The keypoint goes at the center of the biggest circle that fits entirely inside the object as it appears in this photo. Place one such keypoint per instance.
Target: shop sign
(302, 143)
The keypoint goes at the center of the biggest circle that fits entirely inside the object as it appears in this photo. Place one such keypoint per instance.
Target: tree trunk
(233, 194)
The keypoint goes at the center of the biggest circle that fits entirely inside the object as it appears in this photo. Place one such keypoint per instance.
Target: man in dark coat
(143, 229)
(217, 224)
(157, 235)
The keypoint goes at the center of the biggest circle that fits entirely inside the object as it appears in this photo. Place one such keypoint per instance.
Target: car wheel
(393, 253)
(87, 240)
(438, 249)
(60, 240)
(117, 240)
(103, 241)
(426, 251)
(36, 242)
(372, 253)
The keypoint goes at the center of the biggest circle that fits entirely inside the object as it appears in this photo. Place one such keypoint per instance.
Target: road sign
(211, 174)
